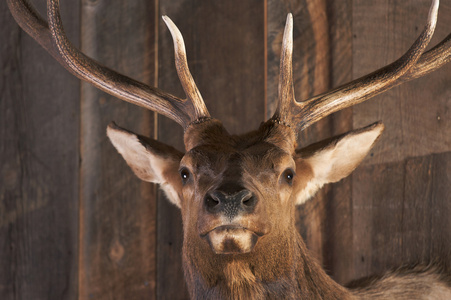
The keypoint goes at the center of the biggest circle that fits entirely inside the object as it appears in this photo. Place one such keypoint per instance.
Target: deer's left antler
(413, 64)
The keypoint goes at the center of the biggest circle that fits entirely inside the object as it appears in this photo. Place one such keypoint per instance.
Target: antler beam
(51, 36)
(429, 61)
(413, 64)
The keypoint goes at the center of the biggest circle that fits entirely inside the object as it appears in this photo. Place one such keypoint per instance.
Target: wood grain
(416, 114)
(117, 210)
(401, 214)
(338, 218)
(39, 155)
(400, 196)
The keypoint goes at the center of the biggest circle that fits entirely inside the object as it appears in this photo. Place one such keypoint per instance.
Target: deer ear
(333, 159)
(149, 159)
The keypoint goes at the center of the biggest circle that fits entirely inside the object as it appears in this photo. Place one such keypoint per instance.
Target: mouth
(232, 239)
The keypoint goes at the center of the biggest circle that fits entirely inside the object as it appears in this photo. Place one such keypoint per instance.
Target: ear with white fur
(149, 159)
(333, 159)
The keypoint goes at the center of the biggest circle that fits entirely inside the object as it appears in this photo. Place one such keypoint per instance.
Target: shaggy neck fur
(282, 270)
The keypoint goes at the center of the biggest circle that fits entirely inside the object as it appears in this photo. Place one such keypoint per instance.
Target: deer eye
(288, 176)
(185, 175)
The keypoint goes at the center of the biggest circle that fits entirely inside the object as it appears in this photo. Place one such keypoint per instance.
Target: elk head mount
(237, 194)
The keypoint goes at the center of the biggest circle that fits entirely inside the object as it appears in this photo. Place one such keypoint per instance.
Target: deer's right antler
(52, 37)
(413, 64)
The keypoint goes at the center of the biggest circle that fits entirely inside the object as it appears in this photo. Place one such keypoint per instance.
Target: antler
(52, 37)
(413, 64)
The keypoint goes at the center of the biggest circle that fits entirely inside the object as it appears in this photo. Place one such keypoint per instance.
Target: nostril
(249, 201)
(246, 197)
(211, 202)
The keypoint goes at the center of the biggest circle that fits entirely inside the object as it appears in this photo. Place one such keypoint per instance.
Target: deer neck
(282, 270)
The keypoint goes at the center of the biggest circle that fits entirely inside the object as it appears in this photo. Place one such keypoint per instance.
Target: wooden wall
(76, 224)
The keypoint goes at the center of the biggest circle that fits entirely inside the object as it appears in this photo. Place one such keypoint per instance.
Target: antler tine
(286, 90)
(430, 61)
(181, 64)
(303, 114)
(52, 37)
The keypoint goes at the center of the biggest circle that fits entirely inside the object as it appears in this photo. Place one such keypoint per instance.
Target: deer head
(237, 194)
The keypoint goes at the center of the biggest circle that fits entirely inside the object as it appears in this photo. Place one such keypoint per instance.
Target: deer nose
(230, 204)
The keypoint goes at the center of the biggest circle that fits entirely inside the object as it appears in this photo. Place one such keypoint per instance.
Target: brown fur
(417, 282)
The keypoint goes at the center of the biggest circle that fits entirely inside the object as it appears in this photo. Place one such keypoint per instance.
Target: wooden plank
(117, 220)
(401, 214)
(417, 114)
(225, 49)
(321, 61)
(426, 219)
(39, 156)
(377, 218)
(338, 214)
(400, 204)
